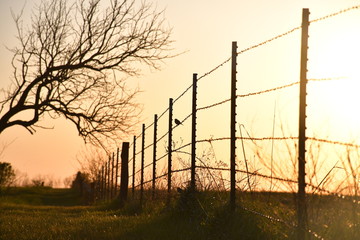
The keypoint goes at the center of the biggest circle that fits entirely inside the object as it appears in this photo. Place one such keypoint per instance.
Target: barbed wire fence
(107, 186)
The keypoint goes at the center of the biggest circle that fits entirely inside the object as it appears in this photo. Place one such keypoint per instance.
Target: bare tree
(68, 59)
(91, 159)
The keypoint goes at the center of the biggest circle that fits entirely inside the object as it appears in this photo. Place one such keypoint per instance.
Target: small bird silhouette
(178, 122)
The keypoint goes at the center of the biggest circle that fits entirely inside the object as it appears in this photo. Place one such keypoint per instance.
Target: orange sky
(205, 30)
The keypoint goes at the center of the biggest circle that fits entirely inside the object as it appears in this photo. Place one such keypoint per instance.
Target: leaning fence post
(154, 155)
(170, 146)
(193, 134)
(133, 170)
(301, 203)
(142, 164)
(124, 181)
(233, 127)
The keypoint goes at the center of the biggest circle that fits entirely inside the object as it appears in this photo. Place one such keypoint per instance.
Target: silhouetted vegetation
(67, 60)
(7, 174)
(46, 213)
(82, 185)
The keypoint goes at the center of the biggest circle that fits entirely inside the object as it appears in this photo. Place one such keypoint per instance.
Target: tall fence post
(106, 182)
(193, 134)
(133, 169)
(102, 183)
(112, 175)
(124, 181)
(117, 170)
(109, 180)
(301, 203)
(170, 147)
(154, 155)
(98, 197)
(142, 164)
(233, 127)
(97, 186)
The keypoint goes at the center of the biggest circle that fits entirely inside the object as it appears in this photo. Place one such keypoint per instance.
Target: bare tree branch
(66, 59)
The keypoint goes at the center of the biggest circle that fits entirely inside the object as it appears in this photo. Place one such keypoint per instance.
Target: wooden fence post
(124, 181)
(133, 170)
(112, 176)
(102, 182)
(106, 182)
(301, 203)
(170, 147)
(109, 180)
(193, 134)
(97, 185)
(233, 127)
(154, 156)
(117, 170)
(142, 164)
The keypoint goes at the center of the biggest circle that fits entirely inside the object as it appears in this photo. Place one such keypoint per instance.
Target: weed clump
(188, 203)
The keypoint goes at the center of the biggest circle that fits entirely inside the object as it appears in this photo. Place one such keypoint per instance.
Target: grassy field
(45, 213)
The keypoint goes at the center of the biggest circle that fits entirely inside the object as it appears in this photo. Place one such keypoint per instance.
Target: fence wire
(279, 220)
(252, 173)
(335, 14)
(338, 195)
(164, 175)
(256, 46)
(269, 40)
(210, 140)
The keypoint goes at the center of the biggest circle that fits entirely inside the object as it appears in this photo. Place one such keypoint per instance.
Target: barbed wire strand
(241, 96)
(261, 44)
(214, 69)
(326, 79)
(213, 105)
(265, 91)
(164, 135)
(182, 94)
(335, 14)
(297, 28)
(339, 195)
(313, 187)
(318, 188)
(271, 218)
(250, 173)
(268, 90)
(164, 175)
(334, 142)
(210, 140)
(276, 37)
(286, 223)
(268, 40)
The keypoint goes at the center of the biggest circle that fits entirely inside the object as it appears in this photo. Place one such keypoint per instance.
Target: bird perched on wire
(178, 122)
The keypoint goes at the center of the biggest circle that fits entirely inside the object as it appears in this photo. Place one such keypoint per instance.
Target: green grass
(40, 196)
(45, 213)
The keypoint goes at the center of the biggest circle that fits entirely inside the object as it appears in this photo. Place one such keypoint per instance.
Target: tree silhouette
(72, 62)
(7, 174)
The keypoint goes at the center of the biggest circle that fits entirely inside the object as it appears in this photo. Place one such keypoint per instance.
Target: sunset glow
(204, 35)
